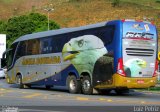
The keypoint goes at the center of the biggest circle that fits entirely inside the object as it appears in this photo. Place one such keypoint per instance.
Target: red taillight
(156, 69)
(139, 20)
(152, 22)
(120, 69)
(123, 20)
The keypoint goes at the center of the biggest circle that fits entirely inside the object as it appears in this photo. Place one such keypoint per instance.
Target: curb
(144, 91)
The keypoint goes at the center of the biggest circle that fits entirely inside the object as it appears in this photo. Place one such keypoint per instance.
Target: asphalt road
(11, 95)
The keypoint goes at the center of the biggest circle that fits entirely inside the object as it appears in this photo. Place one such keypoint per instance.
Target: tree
(25, 24)
(3, 27)
(115, 3)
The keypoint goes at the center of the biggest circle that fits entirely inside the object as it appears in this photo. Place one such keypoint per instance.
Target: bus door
(10, 55)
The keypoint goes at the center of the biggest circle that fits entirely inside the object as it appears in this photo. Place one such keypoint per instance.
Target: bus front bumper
(8, 80)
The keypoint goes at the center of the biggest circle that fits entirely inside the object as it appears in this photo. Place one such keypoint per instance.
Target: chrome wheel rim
(72, 85)
(86, 85)
(18, 80)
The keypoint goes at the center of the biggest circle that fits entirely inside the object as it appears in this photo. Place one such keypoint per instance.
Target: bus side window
(33, 47)
(29, 47)
(46, 45)
(36, 47)
(10, 55)
(21, 50)
(106, 34)
(54, 46)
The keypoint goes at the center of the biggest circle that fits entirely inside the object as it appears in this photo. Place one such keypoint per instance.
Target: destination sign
(136, 35)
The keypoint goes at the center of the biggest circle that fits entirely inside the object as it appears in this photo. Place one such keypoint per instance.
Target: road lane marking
(32, 95)
(36, 110)
(143, 102)
(45, 97)
(2, 89)
(87, 99)
(102, 99)
(25, 92)
(82, 98)
(109, 100)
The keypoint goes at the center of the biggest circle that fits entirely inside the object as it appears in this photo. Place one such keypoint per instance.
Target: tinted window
(21, 49)
(105, 33)
(52, 44)
(60, 41)
(10, 54)
(46, 45)
(33, 47)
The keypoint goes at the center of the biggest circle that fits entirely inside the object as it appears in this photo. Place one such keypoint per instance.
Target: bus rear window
(139, 30)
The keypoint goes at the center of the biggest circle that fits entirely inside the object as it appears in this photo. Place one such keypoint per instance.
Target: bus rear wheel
(86, 85)
(73, 84)
(48, 86)
(19, 81)
(121, 91)
(103, 91)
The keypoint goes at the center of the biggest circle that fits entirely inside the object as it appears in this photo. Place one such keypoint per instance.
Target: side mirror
(3, 60)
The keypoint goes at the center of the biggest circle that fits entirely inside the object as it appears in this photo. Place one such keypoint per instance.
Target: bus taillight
(156, 69)
(120, 69)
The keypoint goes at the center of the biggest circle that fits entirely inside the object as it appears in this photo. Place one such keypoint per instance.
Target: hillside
(69, 13)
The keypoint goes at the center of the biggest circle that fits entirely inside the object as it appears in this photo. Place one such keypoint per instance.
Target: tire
(121, 91)
(87, 86)
(19, 81)
(104, 92)
(73, 84)
(28, 85)
(48, 87)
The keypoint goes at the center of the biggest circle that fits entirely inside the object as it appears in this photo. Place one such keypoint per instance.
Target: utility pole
(49, 8)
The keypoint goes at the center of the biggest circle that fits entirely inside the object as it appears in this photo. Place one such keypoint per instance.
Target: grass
(154, 89)
(149, 3)
(6, 1)
(151, 89)
(71, 13)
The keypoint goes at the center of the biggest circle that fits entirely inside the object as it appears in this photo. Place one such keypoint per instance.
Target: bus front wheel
(73, 84)
(86, 85)
(19, 81)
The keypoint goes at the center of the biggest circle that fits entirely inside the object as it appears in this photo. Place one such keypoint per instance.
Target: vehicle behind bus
(115, 55)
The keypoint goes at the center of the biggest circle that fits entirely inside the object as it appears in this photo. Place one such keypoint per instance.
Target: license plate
(140, 81)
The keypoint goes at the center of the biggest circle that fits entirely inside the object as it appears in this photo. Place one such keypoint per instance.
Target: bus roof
(57, 32)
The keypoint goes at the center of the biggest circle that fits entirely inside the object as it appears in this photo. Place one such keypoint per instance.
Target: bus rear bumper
(132, 83)
(119, 81)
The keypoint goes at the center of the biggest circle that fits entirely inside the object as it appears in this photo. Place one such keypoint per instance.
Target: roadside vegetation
(156, 88)
(73, 13)
(25, 24)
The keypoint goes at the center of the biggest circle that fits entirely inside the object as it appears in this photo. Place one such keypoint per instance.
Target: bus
(115, 55)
